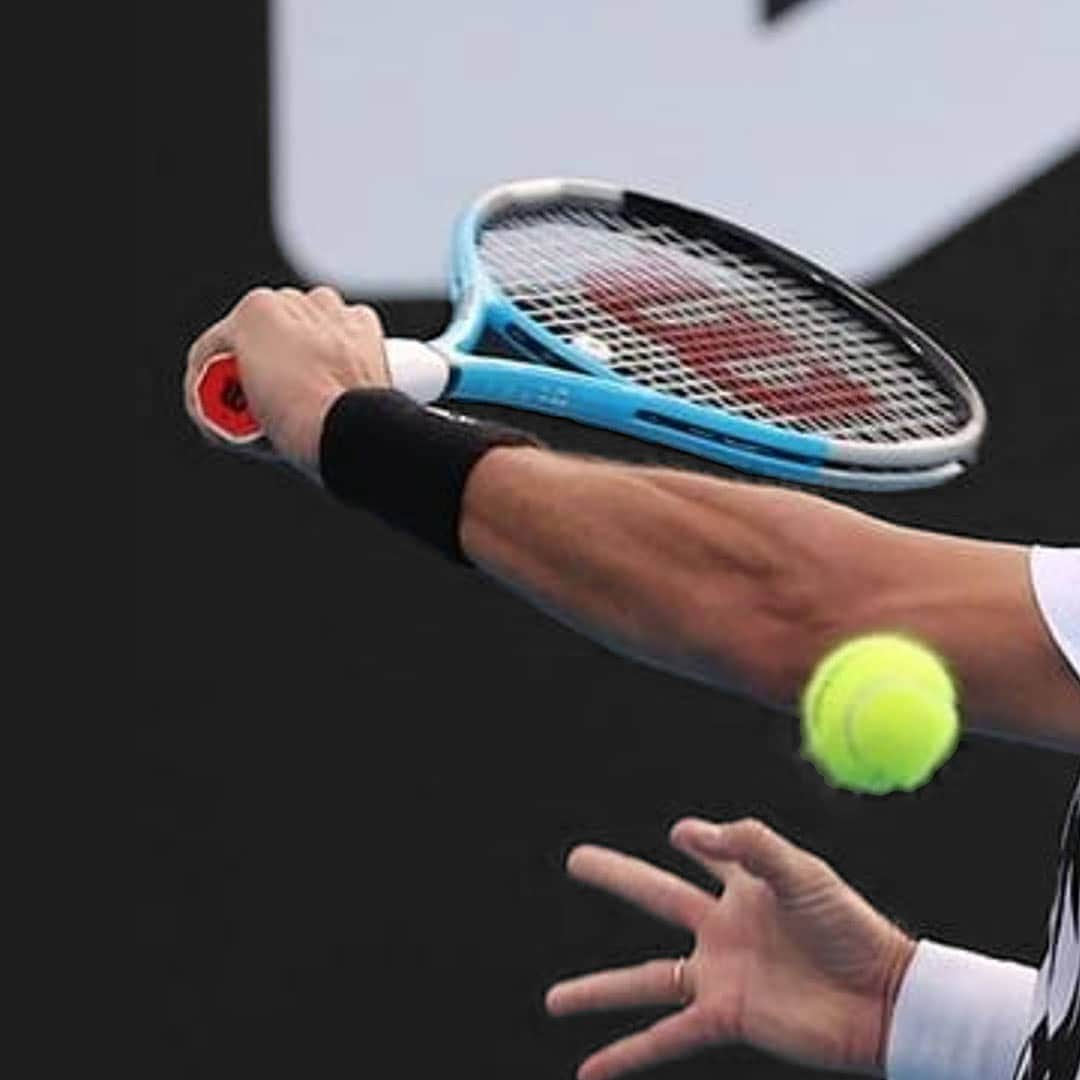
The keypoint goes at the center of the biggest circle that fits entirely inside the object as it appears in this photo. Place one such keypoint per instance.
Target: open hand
(789, 958)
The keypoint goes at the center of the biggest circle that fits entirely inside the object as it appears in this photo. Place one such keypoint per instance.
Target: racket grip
(415, 369)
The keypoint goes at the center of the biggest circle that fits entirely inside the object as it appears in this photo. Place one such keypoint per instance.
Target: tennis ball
(879, 714)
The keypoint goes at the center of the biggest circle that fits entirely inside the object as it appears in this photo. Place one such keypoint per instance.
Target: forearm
(641, 560)
(745, 586)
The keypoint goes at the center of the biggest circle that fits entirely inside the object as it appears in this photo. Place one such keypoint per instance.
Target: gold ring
(678, 973)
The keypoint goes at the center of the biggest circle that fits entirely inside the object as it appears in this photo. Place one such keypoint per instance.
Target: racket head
(587, 276)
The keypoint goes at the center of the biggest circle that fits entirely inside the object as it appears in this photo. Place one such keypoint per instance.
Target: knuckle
(817, 868)
(256, 300)
(367, 318)
(755, 828)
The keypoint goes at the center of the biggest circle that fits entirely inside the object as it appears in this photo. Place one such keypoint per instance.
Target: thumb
(786, 868)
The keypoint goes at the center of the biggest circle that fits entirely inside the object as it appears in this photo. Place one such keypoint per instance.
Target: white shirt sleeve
(1055, 577)
(960, 1015)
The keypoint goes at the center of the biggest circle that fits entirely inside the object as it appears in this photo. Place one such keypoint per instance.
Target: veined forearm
(745, 586)
(714, 580)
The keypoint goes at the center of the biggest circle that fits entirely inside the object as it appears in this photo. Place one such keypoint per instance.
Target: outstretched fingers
(676, 1036)
(787, 869)
(656, 982)
(657, 891)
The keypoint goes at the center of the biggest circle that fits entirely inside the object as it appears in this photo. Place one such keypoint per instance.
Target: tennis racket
(666, 323)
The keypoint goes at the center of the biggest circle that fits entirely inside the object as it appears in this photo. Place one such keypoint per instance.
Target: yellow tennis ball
(879, 714)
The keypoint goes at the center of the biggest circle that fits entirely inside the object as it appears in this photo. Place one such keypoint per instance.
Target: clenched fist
(297, 353)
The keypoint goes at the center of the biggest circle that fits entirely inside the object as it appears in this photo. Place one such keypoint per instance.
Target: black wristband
(407, 464)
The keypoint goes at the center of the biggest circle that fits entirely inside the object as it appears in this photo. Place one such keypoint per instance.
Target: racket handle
(415, 368)
(221, 403)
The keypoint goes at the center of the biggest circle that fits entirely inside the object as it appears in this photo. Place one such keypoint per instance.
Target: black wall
(360, 768)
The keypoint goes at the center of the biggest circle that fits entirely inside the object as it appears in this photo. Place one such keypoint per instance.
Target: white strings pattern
(686, 317)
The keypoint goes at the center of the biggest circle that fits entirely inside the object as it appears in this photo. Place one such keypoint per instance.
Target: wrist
(311, 423)
(902, 953)
(488, 499)
(407, 464)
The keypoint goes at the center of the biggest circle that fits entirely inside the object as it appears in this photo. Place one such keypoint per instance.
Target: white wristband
(959, 1016)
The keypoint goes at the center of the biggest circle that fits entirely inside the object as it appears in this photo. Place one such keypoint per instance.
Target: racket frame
(567, 382)
(608, 399)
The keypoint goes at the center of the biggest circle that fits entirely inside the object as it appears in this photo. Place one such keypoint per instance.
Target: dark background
(360, 768)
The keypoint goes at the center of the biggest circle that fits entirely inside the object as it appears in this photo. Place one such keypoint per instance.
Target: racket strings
(687, 317)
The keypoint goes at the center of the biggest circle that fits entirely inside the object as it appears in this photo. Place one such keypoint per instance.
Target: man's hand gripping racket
(303, 350)
(668, 324)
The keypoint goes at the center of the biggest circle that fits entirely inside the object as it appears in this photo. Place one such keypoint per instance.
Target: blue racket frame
(563, 383)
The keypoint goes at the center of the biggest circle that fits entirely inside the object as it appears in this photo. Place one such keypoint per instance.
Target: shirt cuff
(959, 1015)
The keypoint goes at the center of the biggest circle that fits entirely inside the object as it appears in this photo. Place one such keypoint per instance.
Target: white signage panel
(857, 132)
